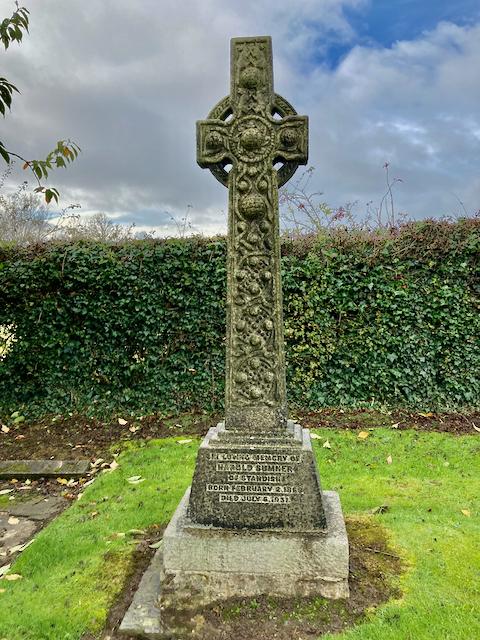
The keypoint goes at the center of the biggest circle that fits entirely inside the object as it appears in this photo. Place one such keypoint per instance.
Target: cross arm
(212, 142)
(292, 139)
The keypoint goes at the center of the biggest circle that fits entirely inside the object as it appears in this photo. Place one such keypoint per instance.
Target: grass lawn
(76, 566)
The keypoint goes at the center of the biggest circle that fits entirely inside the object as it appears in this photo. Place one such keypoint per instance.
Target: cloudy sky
(382, 81)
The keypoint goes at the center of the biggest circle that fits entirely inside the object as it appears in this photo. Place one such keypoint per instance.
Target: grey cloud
(127, 81)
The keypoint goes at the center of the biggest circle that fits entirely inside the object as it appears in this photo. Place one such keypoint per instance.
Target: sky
(382, 81)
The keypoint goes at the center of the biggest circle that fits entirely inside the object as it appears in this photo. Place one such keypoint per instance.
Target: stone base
(205, 564)
(199, 565)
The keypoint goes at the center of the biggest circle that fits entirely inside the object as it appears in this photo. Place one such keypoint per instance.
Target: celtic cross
(253, 130)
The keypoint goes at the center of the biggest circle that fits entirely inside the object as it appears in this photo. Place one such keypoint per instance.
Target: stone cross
(252, 130)
(257, 457)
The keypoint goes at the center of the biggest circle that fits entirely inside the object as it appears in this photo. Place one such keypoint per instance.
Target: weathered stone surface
(39, 508)
(24, 469)
(13, 534)
(255, 471)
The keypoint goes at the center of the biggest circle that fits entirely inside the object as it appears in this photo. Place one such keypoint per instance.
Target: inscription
(229, 456)
(254, 468)
(251, 488)
(264, 499)
(256, 477)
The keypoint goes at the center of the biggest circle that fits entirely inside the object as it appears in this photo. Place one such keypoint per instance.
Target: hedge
(390, 318)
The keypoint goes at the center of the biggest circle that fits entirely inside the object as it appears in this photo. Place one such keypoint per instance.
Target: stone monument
(255, 520)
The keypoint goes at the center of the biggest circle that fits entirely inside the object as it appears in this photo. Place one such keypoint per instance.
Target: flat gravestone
(31, 469)
(39, 508)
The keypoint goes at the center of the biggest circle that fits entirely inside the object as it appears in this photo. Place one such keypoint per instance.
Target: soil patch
(374, 571)
(458, 424)
(78, 437)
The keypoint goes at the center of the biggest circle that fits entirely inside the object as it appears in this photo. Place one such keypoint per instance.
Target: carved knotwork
(241, 130)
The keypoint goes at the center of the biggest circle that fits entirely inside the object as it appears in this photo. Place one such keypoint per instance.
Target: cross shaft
(252, 130)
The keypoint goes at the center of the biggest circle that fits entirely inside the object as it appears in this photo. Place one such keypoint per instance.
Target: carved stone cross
(257, 469)
(252, 130)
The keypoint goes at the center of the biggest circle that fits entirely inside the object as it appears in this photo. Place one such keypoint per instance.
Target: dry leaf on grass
(327, 445)
(122, 422)
(13, 520)
(363, 435)
(466, 512)
(186, 441)
(13, 576)
(389, 460)
(4, 569)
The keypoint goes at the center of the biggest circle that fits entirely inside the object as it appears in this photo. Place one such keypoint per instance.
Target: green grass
(77, 565)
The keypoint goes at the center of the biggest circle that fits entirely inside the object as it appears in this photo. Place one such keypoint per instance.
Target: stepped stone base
(199, 565)
(204, 564)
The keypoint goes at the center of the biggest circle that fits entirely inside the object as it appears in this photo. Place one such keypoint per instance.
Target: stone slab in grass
(31, 469)
(39, 508)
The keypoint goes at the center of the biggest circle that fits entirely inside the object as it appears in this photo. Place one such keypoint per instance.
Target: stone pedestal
(258, 481)
(204, 564)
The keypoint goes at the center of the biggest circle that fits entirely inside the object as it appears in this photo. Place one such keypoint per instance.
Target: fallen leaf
(97, 462)
(327, 445)
(13, 576)
(156, 545)
(4, 492)
(13, 520)
(21, 547)
(135, 479)
(136, 532)
(4, 569)
(122, 422)
(133, 429)
(315, 436)
(94, 514)
(5, 429)
(2, 590)
(13, 481)
(429, 414)
(466, 512)
(363, 435)
(20, 437)
(383, 508)
(184, 441)
(62, 481)
(475, 427)
(396, 425)
(389, 460)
